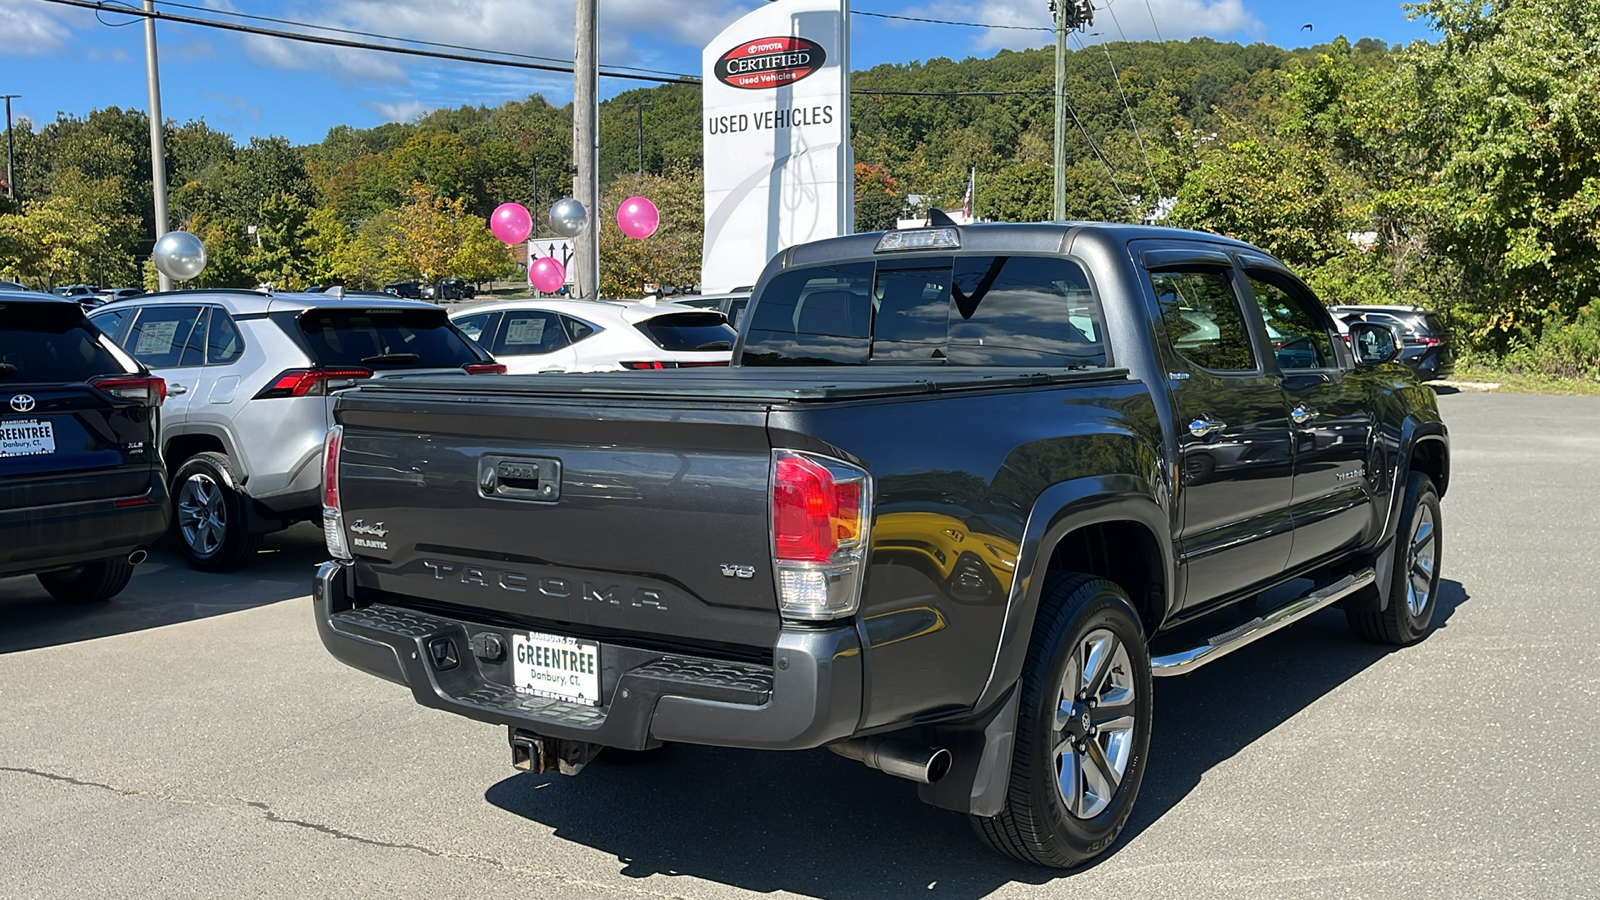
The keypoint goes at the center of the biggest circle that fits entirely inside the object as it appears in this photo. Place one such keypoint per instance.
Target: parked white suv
(251, 379)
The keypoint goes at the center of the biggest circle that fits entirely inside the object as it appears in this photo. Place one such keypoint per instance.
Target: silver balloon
(180, 255)
(567, 217)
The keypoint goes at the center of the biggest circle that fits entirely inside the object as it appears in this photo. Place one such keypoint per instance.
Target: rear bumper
(42, 538)
(810, 696)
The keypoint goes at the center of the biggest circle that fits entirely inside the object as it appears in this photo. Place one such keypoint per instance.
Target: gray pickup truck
(962, 494)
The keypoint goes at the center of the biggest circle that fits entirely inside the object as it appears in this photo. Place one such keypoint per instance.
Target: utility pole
(11, 178)
(158, 153)
(638, 108)
(586, 145)
(1070, 15)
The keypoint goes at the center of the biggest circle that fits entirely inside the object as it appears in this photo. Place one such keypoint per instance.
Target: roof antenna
(938, 219)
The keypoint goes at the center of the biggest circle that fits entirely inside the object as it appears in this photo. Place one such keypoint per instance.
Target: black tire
(94, 582)
(1037, 824)
(1409, 616)
(210, 517)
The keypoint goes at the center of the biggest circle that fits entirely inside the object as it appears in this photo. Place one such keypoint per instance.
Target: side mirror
(1373, 344)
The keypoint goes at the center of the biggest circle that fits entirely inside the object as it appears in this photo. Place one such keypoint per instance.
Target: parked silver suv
(250, 384)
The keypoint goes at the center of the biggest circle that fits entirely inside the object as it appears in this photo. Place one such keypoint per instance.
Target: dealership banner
(778, 167)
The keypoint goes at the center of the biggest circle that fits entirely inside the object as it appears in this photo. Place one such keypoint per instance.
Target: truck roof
(999, 238)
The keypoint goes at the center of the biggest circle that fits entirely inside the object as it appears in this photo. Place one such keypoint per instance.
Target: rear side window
(1024, 310)
(162, 334)
(110, 321)
(384, 338)
(528, 332)
(689, 331)
(224, 343)
(1204, 320)
(39, 343)
(815, 316)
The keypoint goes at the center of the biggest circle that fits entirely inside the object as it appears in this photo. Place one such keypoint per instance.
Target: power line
(1132, 122)
(875, 15)
(1153, 24)
(565, 68)
(886, 93)
(388, 37)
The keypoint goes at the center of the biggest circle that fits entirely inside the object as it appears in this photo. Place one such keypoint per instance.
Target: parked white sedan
(553, 335)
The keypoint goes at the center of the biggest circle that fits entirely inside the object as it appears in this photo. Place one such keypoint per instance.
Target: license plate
(549, 665)
(27, 437)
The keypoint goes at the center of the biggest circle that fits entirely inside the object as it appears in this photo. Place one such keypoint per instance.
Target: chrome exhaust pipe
(136, 557)
(902, 759)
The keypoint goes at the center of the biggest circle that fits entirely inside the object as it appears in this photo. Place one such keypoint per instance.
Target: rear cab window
(967, 310)
(384, 339)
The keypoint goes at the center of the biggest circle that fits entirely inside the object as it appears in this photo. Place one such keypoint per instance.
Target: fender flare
(1059, 510)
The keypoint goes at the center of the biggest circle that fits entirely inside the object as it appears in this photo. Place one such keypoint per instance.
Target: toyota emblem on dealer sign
(22, 403)
(769, 62)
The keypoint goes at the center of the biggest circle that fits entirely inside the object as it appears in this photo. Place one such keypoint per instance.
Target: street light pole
(586, 145)
(1069, 15)
(11, 178)
(158, 153)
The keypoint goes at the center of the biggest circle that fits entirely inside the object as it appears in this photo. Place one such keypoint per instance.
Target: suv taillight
(821, 511)
(312, 382)
(669, 364)
(332, 512)
(484, 368)
(147, 389)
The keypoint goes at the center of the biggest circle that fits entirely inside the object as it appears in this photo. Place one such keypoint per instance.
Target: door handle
(176, 389)
(1203, 426)
(1303, 414)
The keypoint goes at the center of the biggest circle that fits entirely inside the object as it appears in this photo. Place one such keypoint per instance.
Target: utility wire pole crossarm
(1070, 15)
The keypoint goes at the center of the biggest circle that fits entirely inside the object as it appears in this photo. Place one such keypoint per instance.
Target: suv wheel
(1083, 728)
(211, 515)
(1414, 583)
(93, 582)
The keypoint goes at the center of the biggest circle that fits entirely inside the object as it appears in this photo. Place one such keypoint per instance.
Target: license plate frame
(556, 666)
(22, 444)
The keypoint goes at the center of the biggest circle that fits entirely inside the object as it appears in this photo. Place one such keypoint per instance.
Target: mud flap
(982, 750)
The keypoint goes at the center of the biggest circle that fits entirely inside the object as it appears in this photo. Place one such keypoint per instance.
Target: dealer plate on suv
(27, 437)
(549, 665)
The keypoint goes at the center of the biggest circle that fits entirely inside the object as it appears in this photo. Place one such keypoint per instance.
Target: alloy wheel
(201, 516)
(1095, 718)
(1420, 562)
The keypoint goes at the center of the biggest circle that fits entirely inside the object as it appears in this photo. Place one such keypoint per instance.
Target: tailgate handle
(526, 478)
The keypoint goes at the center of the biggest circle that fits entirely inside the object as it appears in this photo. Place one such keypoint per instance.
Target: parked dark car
(963, 493)
(410, 290)
(12, 286)
(449, 289)
(1429, 348)
(82, 488)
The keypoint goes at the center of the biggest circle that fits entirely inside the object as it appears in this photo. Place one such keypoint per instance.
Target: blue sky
(61, 59)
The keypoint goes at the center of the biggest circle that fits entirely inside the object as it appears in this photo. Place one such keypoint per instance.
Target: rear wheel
(1414, 583)
(211, 516)
(1083, 728)
(89, 583)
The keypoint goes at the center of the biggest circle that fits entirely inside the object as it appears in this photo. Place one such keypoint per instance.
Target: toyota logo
(22, 403)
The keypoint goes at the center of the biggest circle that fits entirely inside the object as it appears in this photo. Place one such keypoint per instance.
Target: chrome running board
(1185, 661)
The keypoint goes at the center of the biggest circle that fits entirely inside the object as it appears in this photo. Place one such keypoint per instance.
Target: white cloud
(1178, 19)
(28, 30)
(400, 110)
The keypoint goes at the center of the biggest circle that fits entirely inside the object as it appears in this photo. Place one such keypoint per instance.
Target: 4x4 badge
(22, 403)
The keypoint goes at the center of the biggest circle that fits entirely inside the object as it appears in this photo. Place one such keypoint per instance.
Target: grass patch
(1523, 383)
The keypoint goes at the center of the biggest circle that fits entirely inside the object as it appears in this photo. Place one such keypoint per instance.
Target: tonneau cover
(779, 384)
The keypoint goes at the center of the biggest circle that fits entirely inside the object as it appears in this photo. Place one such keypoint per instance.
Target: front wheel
(1414, 582)
(1083, 728)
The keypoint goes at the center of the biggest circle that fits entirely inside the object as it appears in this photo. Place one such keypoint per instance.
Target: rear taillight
(312, 382)
(485, 368)
(332, 511)
(1429, 341)
(821, 509)
(147, 389)
(670, 364)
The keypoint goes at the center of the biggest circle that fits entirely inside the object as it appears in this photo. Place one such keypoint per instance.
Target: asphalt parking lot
(192, 739)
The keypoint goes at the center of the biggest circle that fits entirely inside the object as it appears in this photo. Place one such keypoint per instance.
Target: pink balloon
(547, 274)
(638, 217)
(511, 223)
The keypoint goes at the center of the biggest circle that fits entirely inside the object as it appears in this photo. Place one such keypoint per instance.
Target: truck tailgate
(587, 515)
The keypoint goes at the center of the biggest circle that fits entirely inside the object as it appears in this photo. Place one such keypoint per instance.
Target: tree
(672, 255)
(428, 233)
(878, 202)
(481, 257)
(282, 256)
